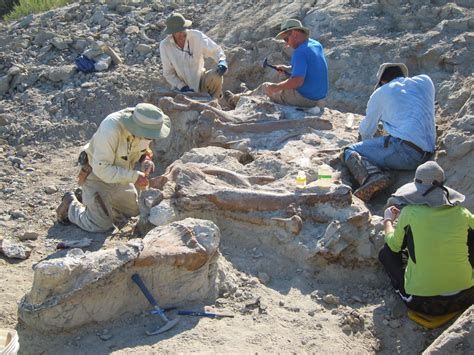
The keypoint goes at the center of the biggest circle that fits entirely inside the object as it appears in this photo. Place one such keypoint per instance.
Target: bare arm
(291, 83)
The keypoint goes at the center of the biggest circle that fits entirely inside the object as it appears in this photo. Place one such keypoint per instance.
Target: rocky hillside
(42, 94)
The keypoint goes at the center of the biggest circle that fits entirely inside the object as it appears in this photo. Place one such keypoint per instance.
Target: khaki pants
(116, 203)
(211, 83)
(287, 97)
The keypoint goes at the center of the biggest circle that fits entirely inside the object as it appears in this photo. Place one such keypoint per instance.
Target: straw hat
(147, 121)
(176, 23)
(291, 24)
(428, 188)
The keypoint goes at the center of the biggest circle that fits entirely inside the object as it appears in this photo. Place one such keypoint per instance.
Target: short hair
(391, 73)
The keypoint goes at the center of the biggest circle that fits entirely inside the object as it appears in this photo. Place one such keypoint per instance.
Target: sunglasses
(287, 38)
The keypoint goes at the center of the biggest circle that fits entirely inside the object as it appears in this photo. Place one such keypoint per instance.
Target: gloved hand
(221, 67)
(147, 166)
(142, 182)
(186, 89)
(391, 214)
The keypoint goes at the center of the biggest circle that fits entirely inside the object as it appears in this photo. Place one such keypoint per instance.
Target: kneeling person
(110, 190)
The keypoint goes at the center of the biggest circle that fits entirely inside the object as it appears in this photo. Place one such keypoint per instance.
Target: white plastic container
(349, 121)
(324, 176)
(301, 180)
(9, 344)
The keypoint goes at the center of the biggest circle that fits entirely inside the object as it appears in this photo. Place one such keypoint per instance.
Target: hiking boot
(374, 184)
(369, 176)
(63, 208)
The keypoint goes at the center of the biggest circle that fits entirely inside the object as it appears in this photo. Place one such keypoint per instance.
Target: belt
(414, 146)
(410, 144)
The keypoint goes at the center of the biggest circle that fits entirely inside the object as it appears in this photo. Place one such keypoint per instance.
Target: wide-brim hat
(291, 24)
(147, 121)
(428, 188)
(176, 23)
(384, 66)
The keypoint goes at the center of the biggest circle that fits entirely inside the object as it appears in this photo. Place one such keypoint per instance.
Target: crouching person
(437, 234)
(109, 177)
(406, 107)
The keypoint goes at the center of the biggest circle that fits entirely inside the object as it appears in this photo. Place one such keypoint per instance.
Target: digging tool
(156, 309)
(204, 314)
(265, 64)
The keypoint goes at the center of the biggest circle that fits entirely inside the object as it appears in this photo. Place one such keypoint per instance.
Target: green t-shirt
(440, 249)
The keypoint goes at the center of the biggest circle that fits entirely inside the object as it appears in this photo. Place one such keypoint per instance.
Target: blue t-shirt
(308, 61)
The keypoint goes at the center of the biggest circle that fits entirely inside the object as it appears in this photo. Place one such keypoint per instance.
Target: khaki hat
(147, 121)
(291, 24)
(176, 23)
(384, 66)
(427, 189)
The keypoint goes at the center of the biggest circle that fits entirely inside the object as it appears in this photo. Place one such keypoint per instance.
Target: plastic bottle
(301, 180)
(324, 176)
(349, 121)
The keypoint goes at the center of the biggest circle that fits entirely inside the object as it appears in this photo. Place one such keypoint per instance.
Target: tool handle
(284, 71)
(137, 279)
(204, 314)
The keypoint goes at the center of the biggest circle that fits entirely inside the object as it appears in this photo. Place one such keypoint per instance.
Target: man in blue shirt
(405, 106)
(307, 85)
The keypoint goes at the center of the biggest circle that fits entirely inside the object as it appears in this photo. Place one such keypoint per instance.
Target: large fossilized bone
(193, 189)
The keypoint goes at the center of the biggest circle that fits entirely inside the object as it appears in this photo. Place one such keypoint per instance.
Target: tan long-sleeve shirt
(185, 66)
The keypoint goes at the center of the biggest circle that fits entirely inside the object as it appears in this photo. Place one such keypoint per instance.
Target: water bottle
(349, 121)
(301, 180)
(324, 176)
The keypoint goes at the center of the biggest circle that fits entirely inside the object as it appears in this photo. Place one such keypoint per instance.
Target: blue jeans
(397, 155)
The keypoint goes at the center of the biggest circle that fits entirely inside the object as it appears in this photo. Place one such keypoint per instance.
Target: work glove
(391, 214)
(147, 166)
(221, 67)
(186, 89)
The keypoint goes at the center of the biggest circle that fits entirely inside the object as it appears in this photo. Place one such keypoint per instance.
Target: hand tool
(265, 64)
(156, 309)
(204, 314)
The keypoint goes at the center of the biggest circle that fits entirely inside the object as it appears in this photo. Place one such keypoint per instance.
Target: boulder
(457, 339)
(177, 262)
(62, 73)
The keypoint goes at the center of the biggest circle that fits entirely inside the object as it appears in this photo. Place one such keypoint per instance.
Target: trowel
(265, 64)
(156, 309)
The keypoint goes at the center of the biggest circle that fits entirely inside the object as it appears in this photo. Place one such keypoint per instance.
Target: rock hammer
(266, 64)
(156, 309)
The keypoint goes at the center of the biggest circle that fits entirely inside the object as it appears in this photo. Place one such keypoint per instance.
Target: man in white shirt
(182, 54)
(405, 106)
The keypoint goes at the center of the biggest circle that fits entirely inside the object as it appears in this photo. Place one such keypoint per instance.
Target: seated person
(307, 85)
(182, 53)
(437, 234)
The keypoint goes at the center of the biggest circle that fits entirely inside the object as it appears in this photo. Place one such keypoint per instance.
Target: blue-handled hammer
(156, 309)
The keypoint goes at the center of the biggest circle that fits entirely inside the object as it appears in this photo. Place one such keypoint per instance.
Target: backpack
(85, 64)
